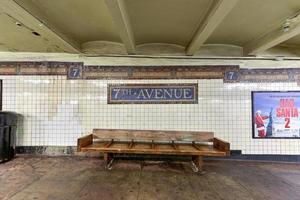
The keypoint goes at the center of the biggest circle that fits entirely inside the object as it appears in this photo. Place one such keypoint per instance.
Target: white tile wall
(57, 111)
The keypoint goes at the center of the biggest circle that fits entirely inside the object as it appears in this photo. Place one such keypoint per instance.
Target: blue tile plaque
(153, 94)
(75, 72)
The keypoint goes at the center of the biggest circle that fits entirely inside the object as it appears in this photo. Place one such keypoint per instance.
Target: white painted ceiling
(211, 27)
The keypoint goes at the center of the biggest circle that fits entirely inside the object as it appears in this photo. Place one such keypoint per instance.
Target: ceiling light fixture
(290, 21)
(35, 33)
(18, 23)
(286, 26)
(41, 24)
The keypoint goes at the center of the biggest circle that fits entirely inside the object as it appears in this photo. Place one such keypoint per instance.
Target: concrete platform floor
(62, 178)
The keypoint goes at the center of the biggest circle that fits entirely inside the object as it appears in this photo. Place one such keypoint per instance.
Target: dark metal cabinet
(8, 128)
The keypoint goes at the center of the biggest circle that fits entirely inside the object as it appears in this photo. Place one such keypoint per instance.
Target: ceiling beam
(117, 9)
(271, 39)
(23, 18)
(217, 12)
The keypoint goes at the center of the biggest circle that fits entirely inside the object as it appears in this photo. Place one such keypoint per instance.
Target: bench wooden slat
(152, 144)
(221, 145)
(131, 144)
(175, 146)
(196, 146)
(84, 141)
(143, 148)
(149, 135)
(107, 145)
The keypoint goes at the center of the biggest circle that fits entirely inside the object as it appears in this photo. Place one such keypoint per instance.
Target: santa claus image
(259, 121)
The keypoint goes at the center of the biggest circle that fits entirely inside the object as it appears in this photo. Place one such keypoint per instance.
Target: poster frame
(252, 113)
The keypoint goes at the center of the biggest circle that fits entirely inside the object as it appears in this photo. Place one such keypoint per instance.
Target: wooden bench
(183, 143)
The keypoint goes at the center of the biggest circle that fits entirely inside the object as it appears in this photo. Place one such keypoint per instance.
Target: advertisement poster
(276, 114)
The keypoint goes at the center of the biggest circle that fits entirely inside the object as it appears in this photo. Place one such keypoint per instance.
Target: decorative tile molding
(77, 70)
(269, 75)
(115, 72)
(156, 72)
(36, 68)
(46, 150)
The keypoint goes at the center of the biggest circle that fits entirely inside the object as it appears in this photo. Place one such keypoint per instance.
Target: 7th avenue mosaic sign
(153, 94)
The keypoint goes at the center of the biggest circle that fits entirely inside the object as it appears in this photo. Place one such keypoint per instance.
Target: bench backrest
(149, 135)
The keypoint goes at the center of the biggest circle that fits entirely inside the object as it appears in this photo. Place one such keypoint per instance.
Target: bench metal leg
(108, 158)
(197, 163)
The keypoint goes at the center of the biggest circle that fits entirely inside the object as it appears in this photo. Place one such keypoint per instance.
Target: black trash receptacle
(8, 129)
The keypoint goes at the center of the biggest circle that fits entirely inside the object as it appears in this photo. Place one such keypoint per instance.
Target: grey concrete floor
(62, 178)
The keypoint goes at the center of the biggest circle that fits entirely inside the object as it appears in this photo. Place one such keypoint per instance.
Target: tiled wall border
(115, 72)
(36, 68)
(156, 72)
(71, 150)
(269, 75)
(150, 72)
